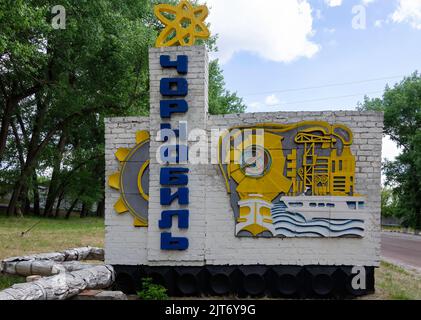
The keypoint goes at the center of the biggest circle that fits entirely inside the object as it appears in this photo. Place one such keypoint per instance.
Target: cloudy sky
(283, 55)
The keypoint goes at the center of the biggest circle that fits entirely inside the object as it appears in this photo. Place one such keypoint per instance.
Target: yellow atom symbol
(183, 24)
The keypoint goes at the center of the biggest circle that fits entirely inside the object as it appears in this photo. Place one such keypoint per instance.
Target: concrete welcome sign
(278, 204)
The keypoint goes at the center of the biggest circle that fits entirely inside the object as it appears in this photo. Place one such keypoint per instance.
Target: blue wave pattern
(293, 224)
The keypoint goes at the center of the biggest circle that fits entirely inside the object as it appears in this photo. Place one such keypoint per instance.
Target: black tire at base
(320, 282)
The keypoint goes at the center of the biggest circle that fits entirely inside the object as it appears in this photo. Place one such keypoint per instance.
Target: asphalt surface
(402, 248)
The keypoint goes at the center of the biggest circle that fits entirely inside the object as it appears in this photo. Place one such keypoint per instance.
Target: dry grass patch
(396, 283)
(49, 235)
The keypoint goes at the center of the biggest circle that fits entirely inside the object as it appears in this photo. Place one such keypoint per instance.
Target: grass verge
(396, 283)
(49, 235)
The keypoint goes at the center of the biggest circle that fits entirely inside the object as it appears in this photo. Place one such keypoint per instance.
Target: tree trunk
(44, 268)
(63, 180)
(23, 196)
(69, 212)
(52, 194)
(33, 152)
(10, 106)
(19, 146)
(18, 211)
(37, 210)
(75, 254)
(27, 205)
(19, 186)
(13, 203)
(84, 211)
(62, 286)
(100, 210)
(37, 149)
(23, 199)
(59, 200)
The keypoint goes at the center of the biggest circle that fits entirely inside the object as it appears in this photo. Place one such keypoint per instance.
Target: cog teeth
(120, 206)
(142, 136)
(122, 154)
(139, 223)
(114, 181)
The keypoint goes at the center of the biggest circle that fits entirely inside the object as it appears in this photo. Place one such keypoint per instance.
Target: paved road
(402, 248)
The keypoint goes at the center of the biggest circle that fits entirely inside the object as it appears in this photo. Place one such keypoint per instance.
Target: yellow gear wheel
(132, 180)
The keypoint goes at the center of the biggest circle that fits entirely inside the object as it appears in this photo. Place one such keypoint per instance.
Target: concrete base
(247, 281)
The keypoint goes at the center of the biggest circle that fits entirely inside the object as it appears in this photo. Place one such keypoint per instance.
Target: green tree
(222, 101)
(22, 58)
(96, 65)
(389, 203)
(56, 87)
(402, 119)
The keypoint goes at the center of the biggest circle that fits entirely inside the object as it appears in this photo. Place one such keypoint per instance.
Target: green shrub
(152, 291)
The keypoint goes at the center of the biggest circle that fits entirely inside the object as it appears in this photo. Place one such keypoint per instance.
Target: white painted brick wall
(211, 233)
(222, 247)
(124, 243)
(128, 245)
(197, 99)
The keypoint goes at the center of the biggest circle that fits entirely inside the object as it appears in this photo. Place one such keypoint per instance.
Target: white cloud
(333, 3)
(379, 23)
(367, 2)
(274, 30)
(390, 150)
(338, 3)
(269, 104)
(318, 14)
(272, 100)
(255, 107)
(261, 107)
(408, 11)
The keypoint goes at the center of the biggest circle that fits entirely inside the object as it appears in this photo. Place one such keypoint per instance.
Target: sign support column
(182, 218)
